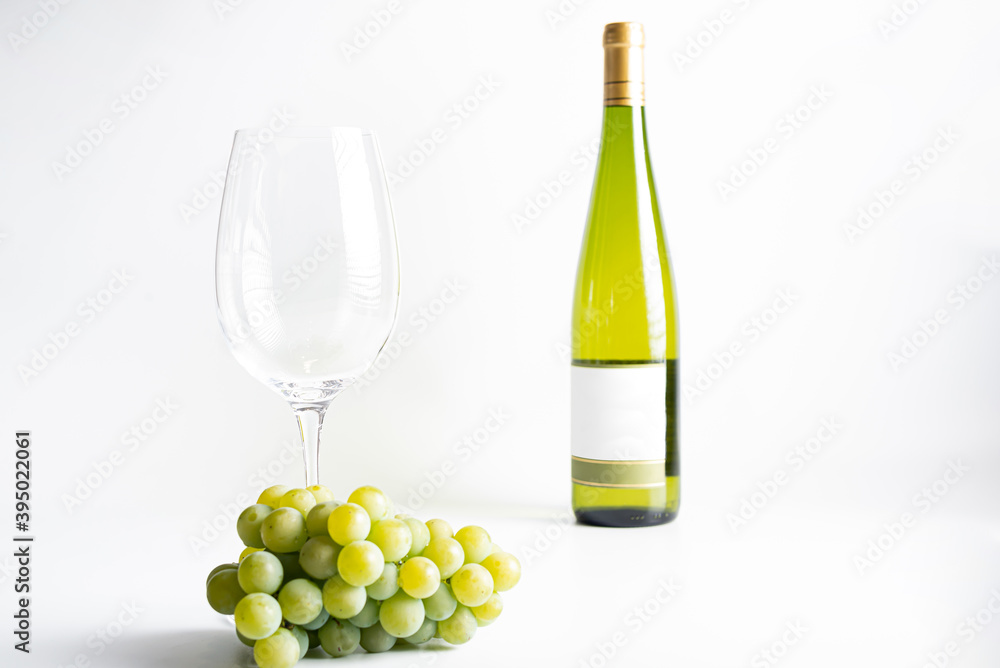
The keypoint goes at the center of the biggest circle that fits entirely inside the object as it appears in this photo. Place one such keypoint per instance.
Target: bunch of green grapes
(318, 572)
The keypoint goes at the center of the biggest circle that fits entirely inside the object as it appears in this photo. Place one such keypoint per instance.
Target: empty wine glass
(307, 271)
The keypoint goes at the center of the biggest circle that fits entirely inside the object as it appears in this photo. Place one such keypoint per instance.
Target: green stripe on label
(605, 363)
(602, 473)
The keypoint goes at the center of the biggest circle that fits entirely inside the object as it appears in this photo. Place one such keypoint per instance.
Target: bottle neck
(624, 126)
(623, 75)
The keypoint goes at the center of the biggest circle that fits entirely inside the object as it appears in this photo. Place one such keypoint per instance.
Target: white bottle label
(619, 412)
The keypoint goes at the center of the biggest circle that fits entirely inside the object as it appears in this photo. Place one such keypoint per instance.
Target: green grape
(367, 616)
(472, 585)
(284, 530)
(220, 567)
(339, 638)
(246, 641)
(387, 583)
(419, 577)
(317, 521)
(278, 650)
(459, 628)
(496, 548)
(303, 638)
(272, 495)
(342, 600)
(320, 620)
(488, 611)
(290, 562)
(224, 591)
(447, 554)
(260, 572)
(505, 569)
(301, 500)
(313, 638)
(348, 522)
(301, 601)
(375, 639)
(475, 542)
(247, 551)
(318, 557)
(441, 604)
(360, 563)
(424, 633)
(393, 537)
(321, 493)
(258, 616)
(421, 535)
(372, 500)
(401, 615)
(248, 524)
(439, 529)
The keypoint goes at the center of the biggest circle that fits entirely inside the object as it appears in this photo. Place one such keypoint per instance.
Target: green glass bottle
(625, 465)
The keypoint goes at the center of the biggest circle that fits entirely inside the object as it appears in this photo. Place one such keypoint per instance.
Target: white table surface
(735, 596)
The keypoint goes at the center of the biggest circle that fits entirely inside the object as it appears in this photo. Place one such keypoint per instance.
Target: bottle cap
(628, 33)
(623, 76)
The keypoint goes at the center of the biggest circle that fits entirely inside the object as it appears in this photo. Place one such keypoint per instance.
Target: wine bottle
(624, 337)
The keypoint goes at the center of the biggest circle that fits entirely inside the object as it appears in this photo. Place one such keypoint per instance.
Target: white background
(143, 201)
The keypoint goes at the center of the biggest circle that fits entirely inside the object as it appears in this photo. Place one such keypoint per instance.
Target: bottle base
(624, 517)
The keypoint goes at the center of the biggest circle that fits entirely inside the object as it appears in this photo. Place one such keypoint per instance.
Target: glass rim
(305, 131)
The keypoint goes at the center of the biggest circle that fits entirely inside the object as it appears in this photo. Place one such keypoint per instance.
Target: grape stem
(310, 421)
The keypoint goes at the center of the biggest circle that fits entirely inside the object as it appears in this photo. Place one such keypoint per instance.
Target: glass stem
(310, 424)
